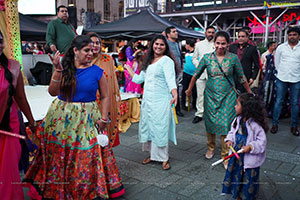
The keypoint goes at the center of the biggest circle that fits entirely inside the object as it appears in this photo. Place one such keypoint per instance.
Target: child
(248, 132)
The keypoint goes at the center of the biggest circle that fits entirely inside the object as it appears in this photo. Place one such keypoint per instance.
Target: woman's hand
(188, 92)
(56, 61)
(174, 100)
(33, 127)
(175, 97)
(229, 143)
(100, 125)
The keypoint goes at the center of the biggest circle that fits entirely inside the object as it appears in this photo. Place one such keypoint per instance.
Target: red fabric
(10, 154)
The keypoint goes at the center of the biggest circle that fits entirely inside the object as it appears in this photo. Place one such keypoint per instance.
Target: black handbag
(233, 87)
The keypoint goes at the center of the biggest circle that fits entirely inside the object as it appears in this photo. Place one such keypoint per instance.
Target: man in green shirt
(60, 33)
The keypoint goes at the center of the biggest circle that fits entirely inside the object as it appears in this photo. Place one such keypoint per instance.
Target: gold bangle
(55, 81)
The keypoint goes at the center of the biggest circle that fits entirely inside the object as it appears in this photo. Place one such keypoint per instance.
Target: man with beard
(60, 32)
(287, 63)
(172, 37)
(202, 47)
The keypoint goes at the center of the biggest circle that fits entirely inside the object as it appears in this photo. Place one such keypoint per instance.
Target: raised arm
(54, 86)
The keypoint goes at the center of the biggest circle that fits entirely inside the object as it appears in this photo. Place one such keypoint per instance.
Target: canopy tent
(31, 29)
(143, 25)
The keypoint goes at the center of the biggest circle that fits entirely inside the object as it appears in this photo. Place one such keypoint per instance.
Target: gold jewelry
(56, 81)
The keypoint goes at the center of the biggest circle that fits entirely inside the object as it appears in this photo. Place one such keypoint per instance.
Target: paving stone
(185, 186)
(283, 156)
(183, 144)
(128, 141)
(183, 155)
(154, 193)
(285, 168)
(270, 164)
(296, 172)
(170, 180)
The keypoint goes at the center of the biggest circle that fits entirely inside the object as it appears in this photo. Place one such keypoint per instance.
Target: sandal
(166, 165)
(147, 160)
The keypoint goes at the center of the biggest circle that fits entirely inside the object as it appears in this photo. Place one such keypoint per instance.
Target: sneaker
(294, 131)
(209, 154)
(274, 129)
(196, 120)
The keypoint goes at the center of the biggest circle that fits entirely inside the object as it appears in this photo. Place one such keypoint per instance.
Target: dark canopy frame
(31, 29)
(143, 25)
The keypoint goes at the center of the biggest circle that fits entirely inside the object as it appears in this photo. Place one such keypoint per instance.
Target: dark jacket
(250, 60)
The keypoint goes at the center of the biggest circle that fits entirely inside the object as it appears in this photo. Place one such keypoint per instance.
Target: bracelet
(105, 121)
(59, 70)
(55, 81)
(34, 124)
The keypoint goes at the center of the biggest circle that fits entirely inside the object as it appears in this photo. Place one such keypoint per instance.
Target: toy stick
(189, 103)
(227, 157)
(174, 111)
(13, 134)
(233, 151)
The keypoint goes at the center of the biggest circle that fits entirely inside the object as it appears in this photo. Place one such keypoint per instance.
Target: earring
(75, 56)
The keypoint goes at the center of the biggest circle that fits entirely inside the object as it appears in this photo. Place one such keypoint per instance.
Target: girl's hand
(229, 143)
(246, 149)
(56, 60)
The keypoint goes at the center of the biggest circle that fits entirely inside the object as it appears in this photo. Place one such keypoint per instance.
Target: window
(121, 9)
(72, 3)
(90, 6)
(106, 10)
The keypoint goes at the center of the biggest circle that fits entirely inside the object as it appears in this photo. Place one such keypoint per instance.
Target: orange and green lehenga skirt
(70, 164)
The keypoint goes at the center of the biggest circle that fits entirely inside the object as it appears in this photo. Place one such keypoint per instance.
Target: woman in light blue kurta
(157, 123)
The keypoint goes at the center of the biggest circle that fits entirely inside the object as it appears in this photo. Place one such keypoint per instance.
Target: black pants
(186, 79)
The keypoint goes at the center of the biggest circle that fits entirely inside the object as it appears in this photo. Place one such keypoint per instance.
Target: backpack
(122, 54)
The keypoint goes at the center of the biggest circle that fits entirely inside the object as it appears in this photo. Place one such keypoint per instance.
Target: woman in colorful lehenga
(70, 163)
(132, 61)
(12, 98)
(106, 63)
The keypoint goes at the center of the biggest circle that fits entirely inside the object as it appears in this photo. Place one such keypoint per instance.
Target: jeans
(282, 88)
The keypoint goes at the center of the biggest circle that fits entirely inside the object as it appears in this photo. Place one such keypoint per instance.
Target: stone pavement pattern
(192, 177)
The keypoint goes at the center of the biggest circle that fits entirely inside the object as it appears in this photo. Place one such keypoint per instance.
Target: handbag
(233, 87)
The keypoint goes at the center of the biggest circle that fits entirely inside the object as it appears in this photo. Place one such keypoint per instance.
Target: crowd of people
(75, 157)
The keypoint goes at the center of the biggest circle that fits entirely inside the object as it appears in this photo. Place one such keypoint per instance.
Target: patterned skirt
(70, 164)
(237, 182)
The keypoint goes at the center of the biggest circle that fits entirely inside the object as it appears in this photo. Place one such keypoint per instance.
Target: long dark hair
(252, 107)
(68, 83)
(131, 42)
(11, 90)
(150, 55)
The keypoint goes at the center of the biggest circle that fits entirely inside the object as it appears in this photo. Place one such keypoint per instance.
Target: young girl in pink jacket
(248, 132)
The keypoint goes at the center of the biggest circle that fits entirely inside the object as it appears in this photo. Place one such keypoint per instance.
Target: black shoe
(184, 108)
(295, 131)
(179, 113)
(274, 129)
(196, 120)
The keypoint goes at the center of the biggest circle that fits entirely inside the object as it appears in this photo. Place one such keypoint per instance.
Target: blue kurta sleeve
(139, 78)
(169, 72)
